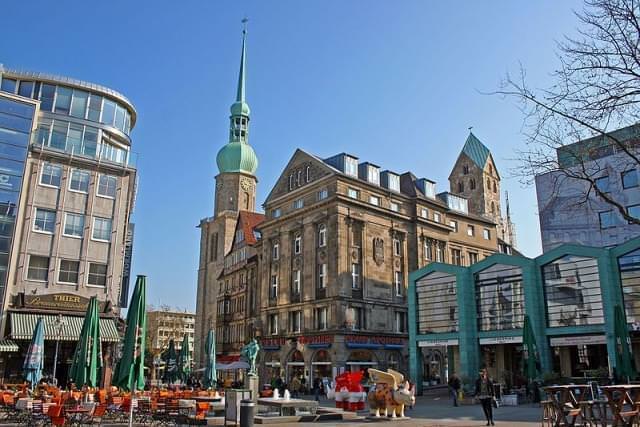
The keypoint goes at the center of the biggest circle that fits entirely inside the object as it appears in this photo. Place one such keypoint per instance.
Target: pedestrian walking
(317, 385)
(484, 392)
(454, 388)
(295, 387)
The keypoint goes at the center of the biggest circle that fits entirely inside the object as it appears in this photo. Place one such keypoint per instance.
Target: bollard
(247, 413)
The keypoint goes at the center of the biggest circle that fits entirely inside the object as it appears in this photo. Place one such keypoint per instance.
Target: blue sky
(396, 83)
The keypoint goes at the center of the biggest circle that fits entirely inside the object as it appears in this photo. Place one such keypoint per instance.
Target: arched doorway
(434, 366)
(321, 367)
(272, 366)
(361, 360)
(295, 365)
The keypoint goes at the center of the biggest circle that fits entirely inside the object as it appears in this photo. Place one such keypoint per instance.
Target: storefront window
(321, 366)
(630, 278)
(500, 298)
(437, 303)
(572, 291)
(295, 366)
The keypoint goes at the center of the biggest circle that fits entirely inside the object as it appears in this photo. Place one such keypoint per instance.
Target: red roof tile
(248, 221)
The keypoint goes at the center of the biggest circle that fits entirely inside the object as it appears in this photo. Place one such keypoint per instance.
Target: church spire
(237, 155)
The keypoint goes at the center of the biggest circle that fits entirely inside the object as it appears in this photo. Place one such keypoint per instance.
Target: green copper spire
(237, 155)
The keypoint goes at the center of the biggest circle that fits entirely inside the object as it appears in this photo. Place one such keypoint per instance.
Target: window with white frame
(322, 235)
(68, 272)
(322, 275)
(351, 166)
(295, 321)
(275, 251)
(397, 248)
(297, 245)
(397, 283)
(101, 229)
(38, 268)
(296, 285)
(273, 290)
(439, 252)
(353, 193)
(79, 181)
(73, 224)
(323, 194)
(358, 318)
(273, 324)
(394, 183)
(321, 318)
(471, 230)
(355, 276)
(401, 321)
(424, 213)
(97, 274)
(276, 213)
(45, 220)
(486, 233)
(394, 206)
(374, 200)
(107, 186)
(51, 175)
(453, 224)
(436, 217)
(298, 204)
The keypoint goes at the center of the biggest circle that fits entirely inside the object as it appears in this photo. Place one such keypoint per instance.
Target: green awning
(8, 346)
(23, 324)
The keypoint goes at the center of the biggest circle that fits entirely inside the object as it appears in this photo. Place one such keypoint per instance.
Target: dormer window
(373, 175)
(351, 166)
(394, 183)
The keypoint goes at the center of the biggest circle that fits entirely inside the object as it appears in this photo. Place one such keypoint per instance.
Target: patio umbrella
(624, 364)
(530, 350)
(129, 373)
(170, 364)
(210, 373)
(35, 355)
(87, 359)
(184, 361)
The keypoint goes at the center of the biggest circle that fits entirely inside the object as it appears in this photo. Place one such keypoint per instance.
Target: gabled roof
(248, 221)
(476, 150)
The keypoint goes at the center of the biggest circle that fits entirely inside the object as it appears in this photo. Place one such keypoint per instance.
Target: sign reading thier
(64, 302)
(438, 343)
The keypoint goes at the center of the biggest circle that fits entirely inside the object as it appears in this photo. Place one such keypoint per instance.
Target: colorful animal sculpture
(390, 394)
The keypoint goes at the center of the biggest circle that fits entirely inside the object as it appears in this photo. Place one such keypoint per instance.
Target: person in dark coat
(454, 388)
(485, 393)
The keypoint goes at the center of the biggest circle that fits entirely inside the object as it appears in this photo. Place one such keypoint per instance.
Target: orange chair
(202, 409)
(56, 416)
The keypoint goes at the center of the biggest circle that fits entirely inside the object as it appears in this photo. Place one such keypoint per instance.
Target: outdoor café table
(620, 396)
(566, 401)
(77, 416)
(215, 403)
(288, 407)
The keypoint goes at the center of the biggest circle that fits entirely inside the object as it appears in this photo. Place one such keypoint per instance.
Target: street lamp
(59, 323)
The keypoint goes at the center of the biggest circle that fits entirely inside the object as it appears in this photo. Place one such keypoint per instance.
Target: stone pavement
(436, 412)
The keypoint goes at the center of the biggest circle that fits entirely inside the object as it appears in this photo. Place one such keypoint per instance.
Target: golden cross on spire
(244, 25)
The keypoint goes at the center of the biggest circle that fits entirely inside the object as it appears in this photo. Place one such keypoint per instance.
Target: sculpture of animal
(390, 394)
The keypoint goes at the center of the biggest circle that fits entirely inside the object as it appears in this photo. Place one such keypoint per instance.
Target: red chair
(55, 415)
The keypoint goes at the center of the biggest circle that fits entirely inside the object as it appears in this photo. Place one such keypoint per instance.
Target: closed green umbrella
(32, 367)
(130, 370)
(170, 364)
(530, 350)
(624, 364)
(184, 360)
(210, 374)
(87, 359)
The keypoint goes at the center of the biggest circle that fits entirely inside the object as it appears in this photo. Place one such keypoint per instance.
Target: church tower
(235, 191)
(475, 177)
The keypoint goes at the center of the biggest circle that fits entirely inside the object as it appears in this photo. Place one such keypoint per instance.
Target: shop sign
(438, 343)
(364, 339)
(272, 343)
(316, 339)
(501, 340)
(577, 340)
(65, 302)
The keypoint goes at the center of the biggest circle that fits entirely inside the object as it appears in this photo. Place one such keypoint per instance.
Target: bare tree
(596, 89)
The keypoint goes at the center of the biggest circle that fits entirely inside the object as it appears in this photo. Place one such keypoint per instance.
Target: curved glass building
(67, 190)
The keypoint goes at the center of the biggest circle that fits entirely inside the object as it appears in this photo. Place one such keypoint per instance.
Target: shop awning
(23, 324)
(8, 346)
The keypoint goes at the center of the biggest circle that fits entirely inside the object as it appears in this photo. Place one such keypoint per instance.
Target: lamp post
(59, 323)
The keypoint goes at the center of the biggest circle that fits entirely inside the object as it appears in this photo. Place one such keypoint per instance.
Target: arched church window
(493, 208)
(465, 169)
(246, 201)
(472, 184)
(488, 184)
(490, 170)
(307, 173)
(460, 187)
(290, 182)
(495, 187)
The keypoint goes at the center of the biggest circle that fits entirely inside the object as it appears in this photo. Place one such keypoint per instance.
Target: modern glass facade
(16, 123)
(569, 295)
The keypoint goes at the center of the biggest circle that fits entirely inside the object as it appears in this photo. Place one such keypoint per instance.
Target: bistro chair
(55, 415)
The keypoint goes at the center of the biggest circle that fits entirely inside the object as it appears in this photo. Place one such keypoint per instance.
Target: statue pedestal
(254, 386)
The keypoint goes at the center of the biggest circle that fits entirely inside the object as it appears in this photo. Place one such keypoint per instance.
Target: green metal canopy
(23, 325)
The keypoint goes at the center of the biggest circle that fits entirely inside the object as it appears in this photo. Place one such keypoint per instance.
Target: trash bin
(247, 412)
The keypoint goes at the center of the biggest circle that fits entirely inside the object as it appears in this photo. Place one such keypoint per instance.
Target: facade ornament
(378, 250)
